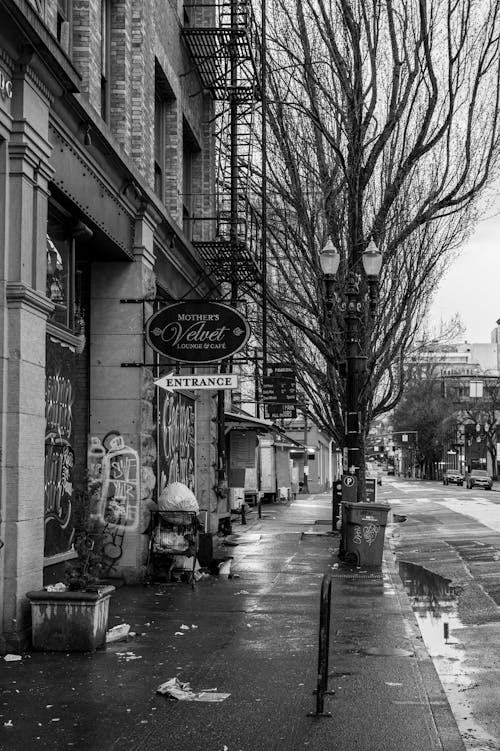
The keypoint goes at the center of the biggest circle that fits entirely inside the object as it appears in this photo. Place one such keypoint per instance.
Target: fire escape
(225, 53)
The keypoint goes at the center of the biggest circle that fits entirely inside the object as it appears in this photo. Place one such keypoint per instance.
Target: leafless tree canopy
(383, 125)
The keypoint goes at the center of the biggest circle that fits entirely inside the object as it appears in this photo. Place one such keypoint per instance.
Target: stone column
(25, 312)
(206, 456)
(121, 399)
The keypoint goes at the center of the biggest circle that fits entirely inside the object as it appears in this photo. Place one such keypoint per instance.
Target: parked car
(479, 477)
(454, 476)
(374, 472)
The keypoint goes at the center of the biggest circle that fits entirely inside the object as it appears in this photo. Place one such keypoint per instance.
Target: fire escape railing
(222, 39)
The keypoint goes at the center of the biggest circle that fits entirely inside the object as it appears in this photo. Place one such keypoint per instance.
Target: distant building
(469, 373)
(463, 358)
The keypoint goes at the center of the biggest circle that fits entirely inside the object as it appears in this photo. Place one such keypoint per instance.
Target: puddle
(433, 600)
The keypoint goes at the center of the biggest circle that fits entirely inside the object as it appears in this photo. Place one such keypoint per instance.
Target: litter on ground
(182, 692)
(128, 656)
(117, 633)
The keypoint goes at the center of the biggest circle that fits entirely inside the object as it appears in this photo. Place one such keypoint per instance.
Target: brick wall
(142, 31)
(120, 70)
(142, 87)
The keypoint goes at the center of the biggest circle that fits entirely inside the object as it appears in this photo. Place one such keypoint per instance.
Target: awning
(246, 422)
(243, 421)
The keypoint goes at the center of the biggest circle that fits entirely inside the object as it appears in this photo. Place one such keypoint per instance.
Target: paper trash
(59, 587)
(117, 633)
(183, 692)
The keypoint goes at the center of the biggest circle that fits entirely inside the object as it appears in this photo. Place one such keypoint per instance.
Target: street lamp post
(305, 480)
(353, 308)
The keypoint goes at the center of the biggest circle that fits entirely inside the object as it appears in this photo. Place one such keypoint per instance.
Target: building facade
(106, 185)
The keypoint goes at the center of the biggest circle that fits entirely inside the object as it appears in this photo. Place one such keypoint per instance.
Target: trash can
(363, 529)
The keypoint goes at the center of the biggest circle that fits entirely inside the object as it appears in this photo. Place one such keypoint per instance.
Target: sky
(471, 286)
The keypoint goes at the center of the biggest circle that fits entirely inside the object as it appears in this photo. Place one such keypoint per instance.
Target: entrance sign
(173, 382)
(201, 332)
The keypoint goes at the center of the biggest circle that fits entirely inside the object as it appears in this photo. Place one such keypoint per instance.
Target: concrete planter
(69, 621)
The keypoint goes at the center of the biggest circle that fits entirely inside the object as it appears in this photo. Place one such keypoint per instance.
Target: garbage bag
(177, 497)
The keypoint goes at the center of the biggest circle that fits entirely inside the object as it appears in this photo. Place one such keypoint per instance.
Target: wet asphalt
(254, 636)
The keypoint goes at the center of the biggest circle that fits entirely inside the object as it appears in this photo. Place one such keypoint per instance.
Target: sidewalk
(254, 636)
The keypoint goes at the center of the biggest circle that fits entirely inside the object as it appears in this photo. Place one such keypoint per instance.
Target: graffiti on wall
(59, 454)
(114, 487)
(115, 468)
(176, 456)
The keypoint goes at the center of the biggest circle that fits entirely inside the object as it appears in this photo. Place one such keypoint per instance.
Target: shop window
(66, 257)
(59, 278)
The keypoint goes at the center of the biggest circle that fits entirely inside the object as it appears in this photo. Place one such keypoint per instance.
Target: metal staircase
(223, 43)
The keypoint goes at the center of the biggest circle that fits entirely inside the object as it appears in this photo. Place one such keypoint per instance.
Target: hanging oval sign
(197, 332)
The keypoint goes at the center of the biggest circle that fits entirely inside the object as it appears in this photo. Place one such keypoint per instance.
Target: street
(253, 637)
(454, 533)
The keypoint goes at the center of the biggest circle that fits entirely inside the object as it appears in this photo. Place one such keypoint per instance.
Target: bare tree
(382, 124)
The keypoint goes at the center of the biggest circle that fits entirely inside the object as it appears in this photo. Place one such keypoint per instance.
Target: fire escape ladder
(224, 49)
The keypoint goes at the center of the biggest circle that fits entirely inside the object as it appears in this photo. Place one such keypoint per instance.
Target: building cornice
(19, 294)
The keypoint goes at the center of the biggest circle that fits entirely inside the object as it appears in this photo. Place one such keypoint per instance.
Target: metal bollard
(323, 649)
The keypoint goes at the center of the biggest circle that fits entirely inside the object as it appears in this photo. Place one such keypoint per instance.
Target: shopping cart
(173, 534)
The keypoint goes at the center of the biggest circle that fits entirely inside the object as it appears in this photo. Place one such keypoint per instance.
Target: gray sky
(472, 285)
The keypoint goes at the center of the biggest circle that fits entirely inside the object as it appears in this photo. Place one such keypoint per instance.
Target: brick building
(106, 166)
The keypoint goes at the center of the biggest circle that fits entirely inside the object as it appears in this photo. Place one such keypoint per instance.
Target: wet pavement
(457, 544)
(254, 636)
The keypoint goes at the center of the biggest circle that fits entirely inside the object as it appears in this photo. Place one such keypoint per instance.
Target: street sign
(283, 411)
(197, 332)
(173, 382)
(349, 488)
(279, 392)
(371, 489)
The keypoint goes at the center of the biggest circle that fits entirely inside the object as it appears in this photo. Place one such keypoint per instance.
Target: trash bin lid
(366, 505)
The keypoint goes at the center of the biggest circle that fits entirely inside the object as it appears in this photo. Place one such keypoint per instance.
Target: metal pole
(323, 648)
(256, 382)
(305, 483)
(355, 365)
(263, 82)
